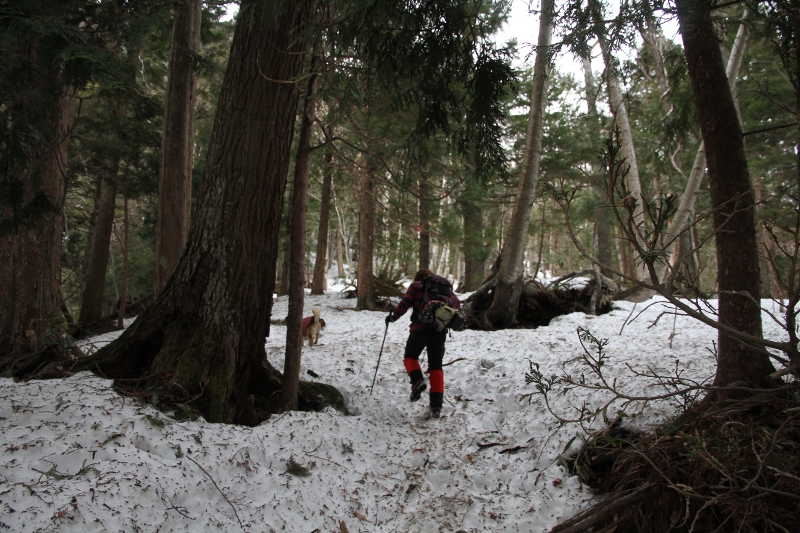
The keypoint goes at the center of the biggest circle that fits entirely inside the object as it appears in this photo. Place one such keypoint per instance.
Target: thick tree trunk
(365, 291)
(177, 143)
(320, 271)
(731, 197)
(30, 245)
(297, 259)
(508, 285)
(97, 261)
(203, 337)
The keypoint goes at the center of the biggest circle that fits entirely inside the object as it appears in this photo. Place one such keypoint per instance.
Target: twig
(626, 320)
(219, 489)
(454, 360)
(323, 459)
(512, 449)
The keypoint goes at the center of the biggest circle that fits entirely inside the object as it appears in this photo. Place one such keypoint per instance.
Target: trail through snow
(77, 456)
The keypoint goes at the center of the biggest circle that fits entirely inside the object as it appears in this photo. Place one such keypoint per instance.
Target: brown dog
(312, 325)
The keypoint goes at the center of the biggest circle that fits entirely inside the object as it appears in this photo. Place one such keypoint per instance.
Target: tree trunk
(203, 337)
(339, 252)
(508, 285)
(424, 224)
(297, 259)
(31, 227)
(90, 237)
(731, 197)
(683, 215)
(365, 290)
(474, 251)
(123, 299)
(97, 262)
(285, 244)
(688, 265)
(540, 251)
(177, 143)
(602, 216)
(320, 272)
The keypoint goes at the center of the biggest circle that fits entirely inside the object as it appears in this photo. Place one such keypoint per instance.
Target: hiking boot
(436, 412)
(417, 389)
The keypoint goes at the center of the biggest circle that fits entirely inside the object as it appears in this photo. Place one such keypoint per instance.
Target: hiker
(422, 336)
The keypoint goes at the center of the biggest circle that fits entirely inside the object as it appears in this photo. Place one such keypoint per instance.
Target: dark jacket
(413, 299)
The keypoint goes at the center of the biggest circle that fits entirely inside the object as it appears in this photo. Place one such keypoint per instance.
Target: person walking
(422, 336)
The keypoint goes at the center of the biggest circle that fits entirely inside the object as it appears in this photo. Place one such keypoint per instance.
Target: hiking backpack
(438, 305)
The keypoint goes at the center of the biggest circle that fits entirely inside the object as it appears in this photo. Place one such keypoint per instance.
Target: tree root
(538, 305)
(728, 466)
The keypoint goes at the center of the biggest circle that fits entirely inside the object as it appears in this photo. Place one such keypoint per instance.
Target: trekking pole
(379, 360)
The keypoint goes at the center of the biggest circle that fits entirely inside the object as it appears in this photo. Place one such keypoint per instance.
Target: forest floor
(77, 456)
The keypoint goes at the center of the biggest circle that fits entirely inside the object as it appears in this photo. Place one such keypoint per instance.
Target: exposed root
(729, 466)
(539, 304)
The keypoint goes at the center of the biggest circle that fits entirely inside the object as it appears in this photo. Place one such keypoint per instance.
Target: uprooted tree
(504, 283)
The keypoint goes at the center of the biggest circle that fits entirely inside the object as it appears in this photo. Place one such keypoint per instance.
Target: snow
(77, 456)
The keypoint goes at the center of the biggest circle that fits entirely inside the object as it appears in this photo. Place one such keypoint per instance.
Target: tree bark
(320, 272)
(339, 252)
(123, 298)
(474, 252)
(731, 197)
(683, 215)
(30, 244)
(97, 262)
(177, 143)
(285, 245)
(297, 256)
(365, 290)
(503, 311)
(203, 337)
(602, 216)
(424, 224)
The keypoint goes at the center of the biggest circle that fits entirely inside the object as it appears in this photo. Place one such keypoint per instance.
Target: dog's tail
(315, 312)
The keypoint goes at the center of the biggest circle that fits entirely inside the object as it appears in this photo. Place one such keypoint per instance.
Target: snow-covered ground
(77, 456)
